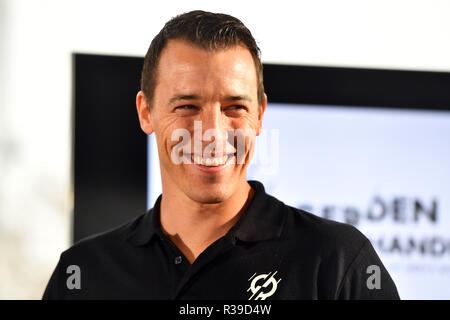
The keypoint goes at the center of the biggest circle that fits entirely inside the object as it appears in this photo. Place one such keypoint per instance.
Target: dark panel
(357, 87)
(109, 147)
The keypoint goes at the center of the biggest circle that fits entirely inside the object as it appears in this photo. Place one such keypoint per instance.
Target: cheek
(172, 138)
(243, 140)
(168, 130)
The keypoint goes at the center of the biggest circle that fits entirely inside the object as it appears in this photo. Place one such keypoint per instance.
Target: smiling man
(218, 89)
(212, 234)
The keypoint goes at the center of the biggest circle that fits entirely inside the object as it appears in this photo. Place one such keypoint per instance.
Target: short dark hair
(207, 30)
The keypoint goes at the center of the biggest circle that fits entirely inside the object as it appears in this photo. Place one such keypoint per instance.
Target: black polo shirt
(274, 251)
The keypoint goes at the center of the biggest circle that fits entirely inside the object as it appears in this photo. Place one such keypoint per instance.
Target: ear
(143, 110)
(261, 114)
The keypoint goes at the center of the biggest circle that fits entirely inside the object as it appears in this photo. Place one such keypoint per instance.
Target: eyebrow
(182, 97)
(190, 97)
(238, 98)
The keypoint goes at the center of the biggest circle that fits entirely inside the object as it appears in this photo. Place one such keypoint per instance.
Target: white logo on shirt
(263, 286)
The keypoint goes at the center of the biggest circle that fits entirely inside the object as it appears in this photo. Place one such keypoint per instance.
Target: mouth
(212, 164)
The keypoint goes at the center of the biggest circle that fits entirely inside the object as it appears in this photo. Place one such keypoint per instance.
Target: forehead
(183, 65)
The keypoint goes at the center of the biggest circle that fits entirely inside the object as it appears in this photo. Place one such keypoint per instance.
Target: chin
(209, 194)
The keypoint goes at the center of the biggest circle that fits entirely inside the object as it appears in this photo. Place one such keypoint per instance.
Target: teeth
(210, 162)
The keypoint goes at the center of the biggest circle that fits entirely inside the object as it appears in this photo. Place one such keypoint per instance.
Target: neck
(193, 226)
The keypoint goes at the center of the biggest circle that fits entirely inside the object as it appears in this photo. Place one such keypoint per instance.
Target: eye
(186, 110)
(236, 107)
(186, 107)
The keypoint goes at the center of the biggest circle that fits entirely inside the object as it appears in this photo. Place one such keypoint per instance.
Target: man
(212, 234)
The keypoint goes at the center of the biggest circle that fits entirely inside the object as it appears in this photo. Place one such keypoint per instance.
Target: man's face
(215, 93)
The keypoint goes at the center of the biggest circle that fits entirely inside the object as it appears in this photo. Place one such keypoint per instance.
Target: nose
(214, 124)
(213, 130)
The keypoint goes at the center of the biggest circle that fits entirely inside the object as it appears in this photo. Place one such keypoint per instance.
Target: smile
(212, 164)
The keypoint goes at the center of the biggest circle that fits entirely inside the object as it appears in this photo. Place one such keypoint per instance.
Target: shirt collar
(263, 219)
(146, 227)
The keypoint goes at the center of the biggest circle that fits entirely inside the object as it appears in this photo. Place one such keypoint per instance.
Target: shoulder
(324, 235)
(94, 259)
(110, 241)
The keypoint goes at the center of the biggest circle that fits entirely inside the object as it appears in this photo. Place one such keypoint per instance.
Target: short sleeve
(366, 278)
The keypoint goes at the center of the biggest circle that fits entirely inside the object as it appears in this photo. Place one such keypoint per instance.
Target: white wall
(38, 38)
